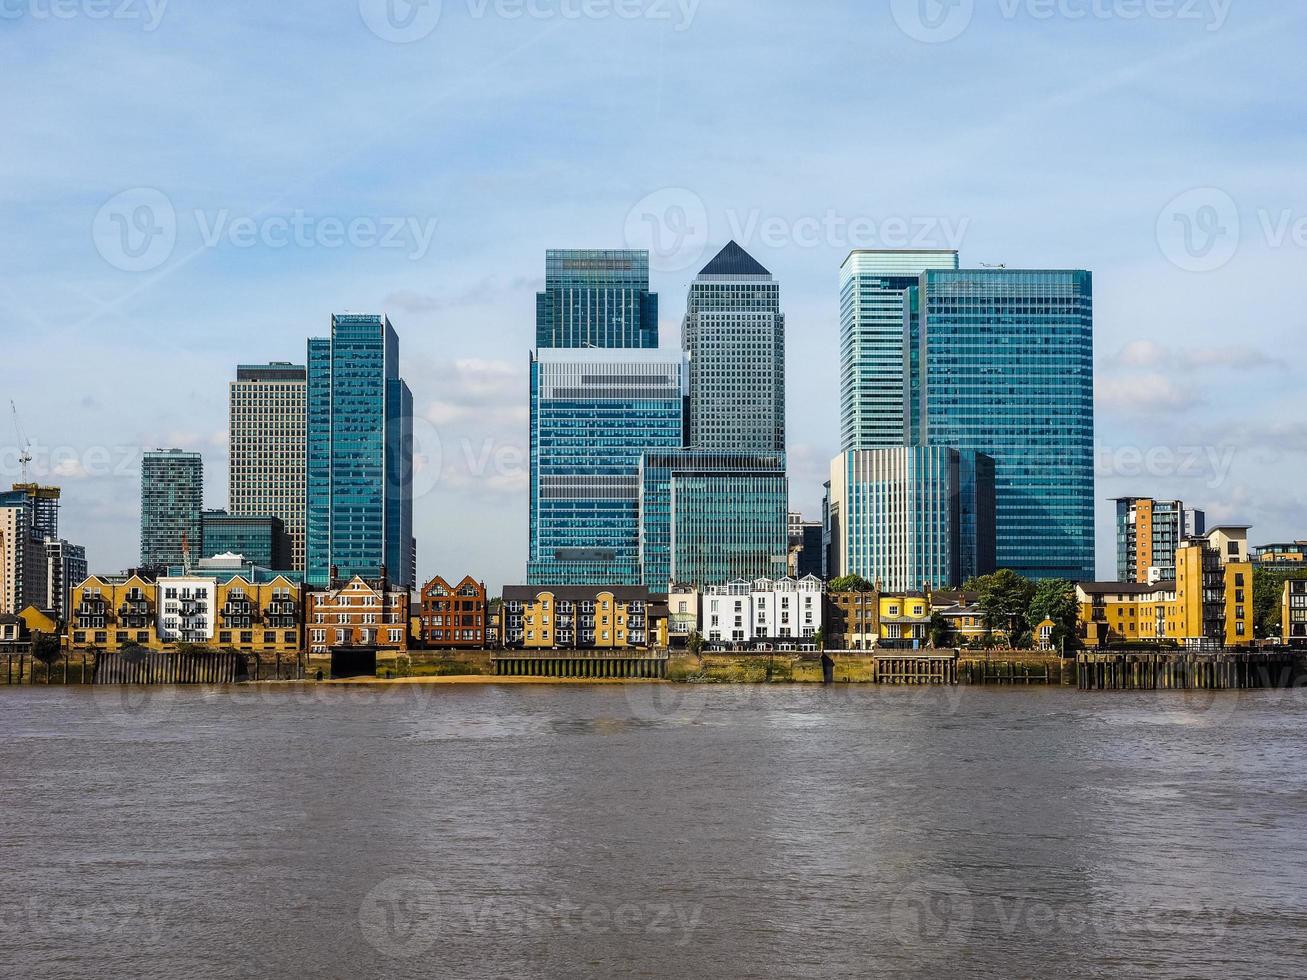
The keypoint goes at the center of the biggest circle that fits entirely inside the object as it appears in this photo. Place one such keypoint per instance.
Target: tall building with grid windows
(596, 298)
(172, 499)
(1002, 362)
(359, 470)
(873, 287)
(734, 335)
(594, 413)
(1149, 533)
(268, 427)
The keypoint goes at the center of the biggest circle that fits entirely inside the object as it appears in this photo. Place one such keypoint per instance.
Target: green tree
(850, 583)
(1268, 599)
(1055, 599)
(1005, 599)
(695, 645)
(941, 631)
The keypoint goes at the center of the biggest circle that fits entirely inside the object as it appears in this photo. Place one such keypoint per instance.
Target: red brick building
(357, 614)
(454, 616)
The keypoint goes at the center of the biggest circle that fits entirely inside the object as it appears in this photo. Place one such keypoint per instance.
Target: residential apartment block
(1293, 613)
(787, 612)
(172, 499)
(453, 617)
(358, 613)
(574, 617)
(1148, 534)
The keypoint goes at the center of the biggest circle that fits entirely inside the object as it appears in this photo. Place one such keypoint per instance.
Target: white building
(786, 612)
(187, 609)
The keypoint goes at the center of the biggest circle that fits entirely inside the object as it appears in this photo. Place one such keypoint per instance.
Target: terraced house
(453, 616)
(543, 618)
(358, 613)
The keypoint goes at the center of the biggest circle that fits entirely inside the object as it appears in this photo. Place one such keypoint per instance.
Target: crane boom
(24, 444)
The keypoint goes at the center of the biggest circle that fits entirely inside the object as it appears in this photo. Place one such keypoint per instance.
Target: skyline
(148, 357)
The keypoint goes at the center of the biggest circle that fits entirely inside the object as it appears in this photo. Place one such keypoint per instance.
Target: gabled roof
(734, 261)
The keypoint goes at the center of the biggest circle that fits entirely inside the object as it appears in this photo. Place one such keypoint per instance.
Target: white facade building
(187, 609)
(784, 611)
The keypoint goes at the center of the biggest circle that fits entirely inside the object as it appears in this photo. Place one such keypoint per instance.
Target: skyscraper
(594, 413)
(1002, 362)
(261, 541)
(268, 430)
(66, 568)
(172, 497)
(359, 471)
(22, 552)
(734, 334)
(912, 517)
(596, 298)
(718, 509)
(873, 285)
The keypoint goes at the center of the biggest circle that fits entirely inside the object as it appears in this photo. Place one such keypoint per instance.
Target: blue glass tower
(596, 298)
(360, 454)
(594, 413)
(1004, 365)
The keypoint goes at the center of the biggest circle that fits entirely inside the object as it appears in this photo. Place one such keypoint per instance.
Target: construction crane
(24, 444)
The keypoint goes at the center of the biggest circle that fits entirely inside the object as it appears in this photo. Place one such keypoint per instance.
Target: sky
(189, 186)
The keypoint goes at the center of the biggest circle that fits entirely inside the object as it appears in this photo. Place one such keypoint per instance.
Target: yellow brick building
(619, 618)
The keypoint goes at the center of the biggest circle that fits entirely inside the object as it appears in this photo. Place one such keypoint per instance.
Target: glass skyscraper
(709, 517)
(1004, 365)
(172, 498)
(359, 514)
(912, 517)
(594, 413)
(734, 334)
(873, 285)
(596, 298)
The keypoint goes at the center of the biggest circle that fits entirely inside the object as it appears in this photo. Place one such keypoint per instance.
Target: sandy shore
(469, 679)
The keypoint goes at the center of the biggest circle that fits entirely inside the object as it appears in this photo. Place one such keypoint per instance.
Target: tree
(1005, 599)
(1055, 599)
(820, 638)
(941, 631)
(695, 645)
(850, 583)
(1268, 598)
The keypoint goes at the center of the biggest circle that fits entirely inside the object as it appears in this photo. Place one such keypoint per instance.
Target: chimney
(385, 581)
(335, 576)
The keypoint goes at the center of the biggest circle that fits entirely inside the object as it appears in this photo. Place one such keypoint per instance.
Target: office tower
(261, 541)
(596, 298)
(66, 568)
(734, 334)
(45, 508)
(268, 428)
(709, 517)
(359, 471)
(1148, 533)
(873, 286)
(172, 496)
(594, 413)
(806, 548)
(1002, 362)
(22, 553)
(914, 517)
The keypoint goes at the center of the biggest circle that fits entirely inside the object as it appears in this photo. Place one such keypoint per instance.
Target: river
(651, 831)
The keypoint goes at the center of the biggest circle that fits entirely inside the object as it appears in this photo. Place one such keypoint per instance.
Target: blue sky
(428, 162)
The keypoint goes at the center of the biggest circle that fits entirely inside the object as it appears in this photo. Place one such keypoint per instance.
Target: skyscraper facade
(359, 509)
(22, 553)
(596, 298)
(261, 541)
(734, 334)
(594, 413)
(873, 286)
(66, 568)
(709, 517)
(172, 498)
(268, 428)
(1004, 365)
(912, 517)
